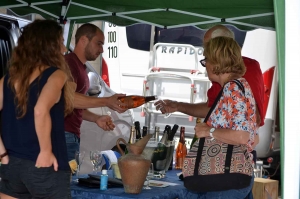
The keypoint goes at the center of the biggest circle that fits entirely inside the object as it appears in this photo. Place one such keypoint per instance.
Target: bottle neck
(132, 136)
(138, 132)
(182, 138)
(164, 138)
(173, 132)
(150, 98)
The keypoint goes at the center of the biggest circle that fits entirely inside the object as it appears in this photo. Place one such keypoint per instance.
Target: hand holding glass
(161, 106)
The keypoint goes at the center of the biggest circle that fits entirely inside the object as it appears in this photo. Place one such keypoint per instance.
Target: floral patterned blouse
(236, 110)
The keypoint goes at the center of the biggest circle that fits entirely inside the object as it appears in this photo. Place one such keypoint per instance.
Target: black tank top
(19, 135)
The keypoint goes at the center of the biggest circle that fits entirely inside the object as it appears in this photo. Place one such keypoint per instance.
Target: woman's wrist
(4, 158)
(3, 155)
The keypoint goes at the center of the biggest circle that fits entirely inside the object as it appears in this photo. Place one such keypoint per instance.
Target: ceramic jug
(133, 165)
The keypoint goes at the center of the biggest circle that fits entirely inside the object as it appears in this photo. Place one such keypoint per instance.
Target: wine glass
(100, 161)
(94, 157)
(166, 115)
(149, 176)
(79, 156)
(97, 160)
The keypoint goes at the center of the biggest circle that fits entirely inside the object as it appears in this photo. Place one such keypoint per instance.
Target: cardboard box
(265, 188)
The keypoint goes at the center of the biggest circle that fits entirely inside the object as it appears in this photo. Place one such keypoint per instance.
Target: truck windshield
(138, 36)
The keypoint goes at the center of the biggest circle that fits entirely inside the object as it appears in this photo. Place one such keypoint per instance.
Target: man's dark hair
(88, 30)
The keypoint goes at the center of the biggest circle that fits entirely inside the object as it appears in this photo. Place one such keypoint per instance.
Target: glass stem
(77, 172)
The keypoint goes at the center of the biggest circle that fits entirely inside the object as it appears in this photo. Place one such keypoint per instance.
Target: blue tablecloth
(170, 192)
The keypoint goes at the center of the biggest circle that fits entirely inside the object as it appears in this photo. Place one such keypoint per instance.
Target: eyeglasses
(203, 62)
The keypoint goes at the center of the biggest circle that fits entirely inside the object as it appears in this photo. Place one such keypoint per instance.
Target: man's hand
(116, 104)
(105, 123)
(166, 106)
(202, 130)
(46, 159)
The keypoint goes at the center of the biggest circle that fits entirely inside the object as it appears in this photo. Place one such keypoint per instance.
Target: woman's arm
(228, 136)
(50, 95)
(236, 112)
(4, 159)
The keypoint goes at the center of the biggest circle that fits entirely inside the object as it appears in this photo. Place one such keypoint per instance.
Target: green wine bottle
(198, 120)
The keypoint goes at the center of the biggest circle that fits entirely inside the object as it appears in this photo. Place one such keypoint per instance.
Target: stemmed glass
(96, 159)
(149, 176)
(166, 115)
(79, 156)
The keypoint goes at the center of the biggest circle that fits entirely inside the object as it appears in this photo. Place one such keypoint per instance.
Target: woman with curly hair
(35, 96)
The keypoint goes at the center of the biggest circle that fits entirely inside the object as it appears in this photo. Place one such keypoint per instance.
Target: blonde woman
(231, 123)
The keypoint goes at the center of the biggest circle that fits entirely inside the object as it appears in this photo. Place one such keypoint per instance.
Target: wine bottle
(164, 139)
(198, 120)
(133, 101)
(156, 133)
(159, 157)
(170, 153)
(145, 131)
(173, 132)
(181, 150)
(132, 137)
(137, 130)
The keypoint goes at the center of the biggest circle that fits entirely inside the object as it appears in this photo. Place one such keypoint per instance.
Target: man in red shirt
(89, 40)
(253, 75)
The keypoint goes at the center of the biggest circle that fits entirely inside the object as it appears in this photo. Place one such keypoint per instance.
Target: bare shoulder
(58, 76)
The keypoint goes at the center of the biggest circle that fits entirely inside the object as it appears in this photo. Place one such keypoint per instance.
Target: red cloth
(73, 121)
(255, 79)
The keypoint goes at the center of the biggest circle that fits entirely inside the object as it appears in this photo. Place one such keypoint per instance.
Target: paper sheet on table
(157, 183)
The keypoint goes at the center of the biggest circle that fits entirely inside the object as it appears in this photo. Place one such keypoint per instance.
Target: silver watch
(211, 133)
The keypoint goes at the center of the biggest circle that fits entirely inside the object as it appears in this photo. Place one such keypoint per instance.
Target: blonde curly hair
(224, 54)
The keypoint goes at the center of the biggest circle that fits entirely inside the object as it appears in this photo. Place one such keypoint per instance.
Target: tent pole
(69, 33)
(280, 38)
